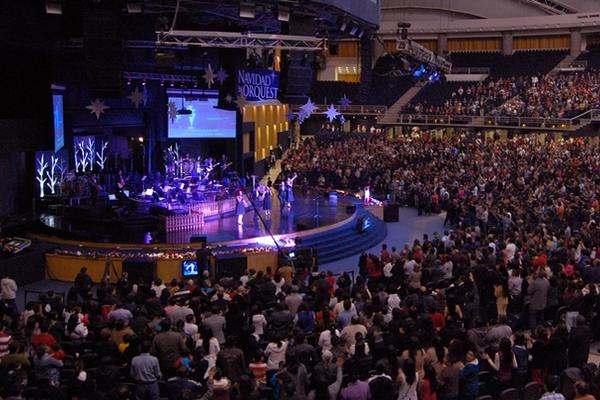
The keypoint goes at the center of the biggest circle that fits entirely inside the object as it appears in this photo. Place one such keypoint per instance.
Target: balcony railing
(351, 109)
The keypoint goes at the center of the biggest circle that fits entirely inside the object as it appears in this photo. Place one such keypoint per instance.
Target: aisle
(410, 227)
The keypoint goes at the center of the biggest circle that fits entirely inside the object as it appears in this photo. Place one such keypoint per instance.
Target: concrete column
(507, 43)
(378, 51)
(575, 42)
(442, 43)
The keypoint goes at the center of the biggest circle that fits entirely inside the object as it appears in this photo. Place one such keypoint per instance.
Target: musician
(289, 185)
(240, 207)
(367, 195)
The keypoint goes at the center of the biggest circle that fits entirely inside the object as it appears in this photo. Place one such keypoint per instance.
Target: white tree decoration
(41, 176)
(52, 176)
(102, 157)
(90, 150)
(83, 161)
(63, 168)
(78, 161)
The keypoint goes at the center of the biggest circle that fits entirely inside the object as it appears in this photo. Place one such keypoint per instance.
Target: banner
(258, 84)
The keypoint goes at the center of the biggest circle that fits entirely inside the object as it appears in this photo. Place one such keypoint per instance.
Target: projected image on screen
(201, 120)
(59, 123)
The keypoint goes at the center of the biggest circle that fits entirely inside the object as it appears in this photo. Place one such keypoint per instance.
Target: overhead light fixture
(134, 7)
(283, 14)
(54, 7)
(247, 9)
(360, 34)
(343, 27)
(354, 30)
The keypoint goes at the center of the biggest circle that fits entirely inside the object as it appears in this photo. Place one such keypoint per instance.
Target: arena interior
(300, 199)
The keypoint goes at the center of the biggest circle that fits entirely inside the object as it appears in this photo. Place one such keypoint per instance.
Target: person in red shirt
(44, 337)
(385, 254)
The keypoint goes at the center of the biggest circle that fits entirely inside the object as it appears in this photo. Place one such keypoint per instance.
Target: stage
(309, 211)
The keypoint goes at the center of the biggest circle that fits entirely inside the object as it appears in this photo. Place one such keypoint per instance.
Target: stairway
(391, 114)
(565, 62)
(345, 241)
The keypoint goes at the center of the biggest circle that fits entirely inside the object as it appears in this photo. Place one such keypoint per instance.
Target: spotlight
(128, 82)
(343, 27)
(162, 83)
(354, 30)
(141, 139)
(134, 7)
(361, 34)
(144, 82)
(283, 14)
(54, 7)
(247, 9)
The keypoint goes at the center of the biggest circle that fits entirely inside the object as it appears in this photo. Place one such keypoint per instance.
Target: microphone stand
(256, 210)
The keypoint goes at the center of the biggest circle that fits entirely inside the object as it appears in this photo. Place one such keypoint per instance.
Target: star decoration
(301, 116)
(308, 108)
(136, 97)
(345, 101)
(97, 107)
(342, 119)
(240, 100)
(221, 75)
(331, 113)
(290, 116)
(229, 98)
(209, 76)
(172, 111)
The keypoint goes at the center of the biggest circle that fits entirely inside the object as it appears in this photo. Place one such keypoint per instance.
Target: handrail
(470, 70)
(351, 109)
(501, 120)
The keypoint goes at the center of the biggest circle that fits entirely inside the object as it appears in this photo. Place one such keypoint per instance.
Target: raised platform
(334, 235)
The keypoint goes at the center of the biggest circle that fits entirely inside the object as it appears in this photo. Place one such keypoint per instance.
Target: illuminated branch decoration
(41, 172)
(52, 176)
(90, 150)
(102, 157)
(62, 168)
(78, 162)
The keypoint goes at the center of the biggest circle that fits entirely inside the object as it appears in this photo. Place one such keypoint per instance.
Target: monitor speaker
(391, 213)
(198, 239)
(139, 269)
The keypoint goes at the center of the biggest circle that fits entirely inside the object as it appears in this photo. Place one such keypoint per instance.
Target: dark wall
(16, 175)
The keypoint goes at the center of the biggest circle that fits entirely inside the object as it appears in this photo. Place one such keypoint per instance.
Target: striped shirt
(4, 342)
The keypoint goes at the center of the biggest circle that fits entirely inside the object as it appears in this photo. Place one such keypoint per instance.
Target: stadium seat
(509, 394)
(532, 391)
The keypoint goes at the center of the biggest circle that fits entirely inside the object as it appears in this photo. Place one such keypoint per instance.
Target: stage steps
(345, 241)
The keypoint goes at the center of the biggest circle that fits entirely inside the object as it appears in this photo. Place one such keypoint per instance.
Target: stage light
(134, 7)
(162, 83)
(343, 27)
(283, 14)
(54, 7)
(247, 10)
(128, 82)
(354, 30)
(144, 82)
(141, 139)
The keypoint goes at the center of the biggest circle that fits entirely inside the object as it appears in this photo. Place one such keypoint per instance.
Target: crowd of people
(546, 96)
(505, 296)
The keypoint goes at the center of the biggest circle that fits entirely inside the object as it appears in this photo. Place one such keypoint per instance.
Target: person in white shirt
(328, 338)
(510, 250)
(8, 293)
(190, 328)
(275, 353)
(158, 286)
(387, 270)
(259, 321)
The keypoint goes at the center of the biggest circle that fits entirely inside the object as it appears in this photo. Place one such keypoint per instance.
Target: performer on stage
(264, 195)
(282, 195)
(367, 195)
(289, 185)
(240, 207)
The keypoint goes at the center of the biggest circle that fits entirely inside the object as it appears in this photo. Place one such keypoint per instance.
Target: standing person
(145, 371)
(469, 377)
(289, 185)
(267, 203)
(9, 288)
(240, 207)
(408, 380)
(537, 295)
(504, 363)
(501, 294)
(282, 196)
(580, 339)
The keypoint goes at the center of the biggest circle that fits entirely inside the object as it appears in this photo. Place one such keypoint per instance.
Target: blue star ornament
(290, 116)
(331, 113)
(308, 108)
(221, 75)
(342, 119)
(345, 101)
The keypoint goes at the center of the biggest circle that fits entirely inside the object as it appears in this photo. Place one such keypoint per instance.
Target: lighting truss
(414, 50)
(149, 76)
(238, 40)
(553, 7)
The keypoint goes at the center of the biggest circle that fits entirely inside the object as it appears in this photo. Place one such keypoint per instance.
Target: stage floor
(300, 217)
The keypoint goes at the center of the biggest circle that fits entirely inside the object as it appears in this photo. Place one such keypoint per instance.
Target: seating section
(592, 56)
(384, 91)
(520, 63)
